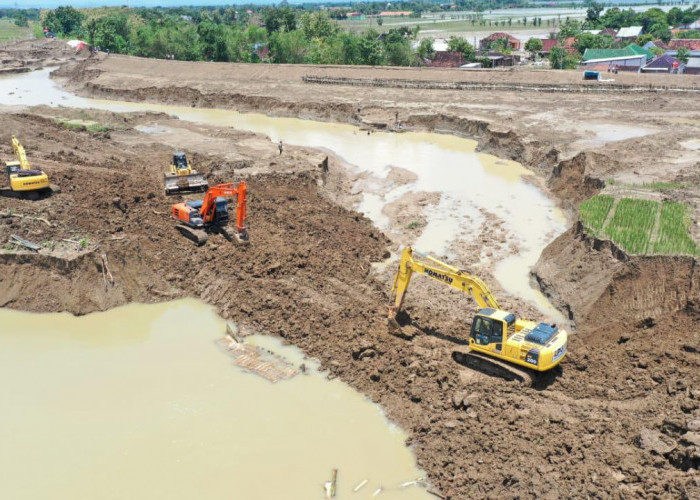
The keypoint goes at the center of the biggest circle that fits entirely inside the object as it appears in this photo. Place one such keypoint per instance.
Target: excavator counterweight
(497, 338)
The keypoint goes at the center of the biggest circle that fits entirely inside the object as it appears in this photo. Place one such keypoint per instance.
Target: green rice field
(632, 225)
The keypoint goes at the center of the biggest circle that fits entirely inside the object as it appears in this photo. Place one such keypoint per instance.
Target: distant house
(513, 42)
(398, 13)
(447, 59)
(630, 32)
(664, 64)
(549, 43)
(690, 44)
(609, 31)
(631, 58)
(499, 59)
(693, 66)
(355, 16)
(692, 26)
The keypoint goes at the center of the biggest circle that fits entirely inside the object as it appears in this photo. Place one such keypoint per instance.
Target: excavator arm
(20, 154)
(438, 271)
(226, 190)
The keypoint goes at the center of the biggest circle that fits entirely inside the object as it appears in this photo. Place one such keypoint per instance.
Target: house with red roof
(446, 59)
(513, 43)
(549, 43)
(689, 43)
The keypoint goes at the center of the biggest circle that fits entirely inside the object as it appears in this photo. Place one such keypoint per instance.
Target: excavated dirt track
(621, 419)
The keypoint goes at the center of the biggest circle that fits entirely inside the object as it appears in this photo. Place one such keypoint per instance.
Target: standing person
(280, 147)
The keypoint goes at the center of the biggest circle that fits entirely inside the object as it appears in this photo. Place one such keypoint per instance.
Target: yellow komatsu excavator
(23, 179)
(499, 342)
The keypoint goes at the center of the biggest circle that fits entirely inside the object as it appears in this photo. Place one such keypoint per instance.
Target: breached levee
(601, 286)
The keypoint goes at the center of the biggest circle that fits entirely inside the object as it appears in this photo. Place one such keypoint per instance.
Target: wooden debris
(411, 483)
(359, 486)
(106, 272)
(20, 216)
(25, 243)
(267, 365)
(330, 485)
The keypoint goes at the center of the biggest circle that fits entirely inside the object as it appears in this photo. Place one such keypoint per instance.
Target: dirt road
(620, 419)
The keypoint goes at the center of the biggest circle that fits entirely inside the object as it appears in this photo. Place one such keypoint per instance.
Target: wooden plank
(249, 357)
(26, 244)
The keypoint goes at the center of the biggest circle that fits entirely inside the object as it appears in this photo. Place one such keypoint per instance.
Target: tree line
(278, 34)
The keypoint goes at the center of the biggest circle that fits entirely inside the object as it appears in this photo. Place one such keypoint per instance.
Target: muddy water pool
(140, 403)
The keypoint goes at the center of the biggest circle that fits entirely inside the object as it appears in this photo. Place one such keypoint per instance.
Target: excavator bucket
(185, 183)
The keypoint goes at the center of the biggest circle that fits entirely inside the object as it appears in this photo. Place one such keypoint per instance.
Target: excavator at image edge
(499, 343)
(26, 182)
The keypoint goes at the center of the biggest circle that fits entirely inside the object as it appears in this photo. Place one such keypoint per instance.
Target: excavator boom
(20, 154)
(439, 271)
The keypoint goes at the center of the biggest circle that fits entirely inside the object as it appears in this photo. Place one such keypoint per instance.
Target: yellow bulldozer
(25, 181)
(499, 343)
(181, 177)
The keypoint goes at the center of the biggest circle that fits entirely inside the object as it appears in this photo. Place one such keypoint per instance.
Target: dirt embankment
(29, 55)
(602, 288)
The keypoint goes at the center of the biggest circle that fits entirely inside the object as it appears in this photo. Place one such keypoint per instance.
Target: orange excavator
(210, 215)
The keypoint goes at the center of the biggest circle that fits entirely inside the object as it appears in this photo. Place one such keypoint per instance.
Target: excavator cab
(180, 160)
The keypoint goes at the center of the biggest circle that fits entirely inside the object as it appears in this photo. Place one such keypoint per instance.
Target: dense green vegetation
(594, 211)
(674, 227)
(632, 225)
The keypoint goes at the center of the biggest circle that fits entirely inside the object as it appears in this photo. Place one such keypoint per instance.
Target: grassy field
(10, 32)
(459, 22)
(674, 228)
(632, 225)
(594, 212)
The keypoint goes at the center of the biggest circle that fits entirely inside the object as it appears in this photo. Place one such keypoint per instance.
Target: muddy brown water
(139, 402)
(469, 183)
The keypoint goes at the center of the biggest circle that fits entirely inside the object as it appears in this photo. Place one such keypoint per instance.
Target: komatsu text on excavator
(197, 218)
(23, 179)
(495, 334)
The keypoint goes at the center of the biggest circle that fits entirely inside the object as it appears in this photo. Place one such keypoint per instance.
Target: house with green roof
(630, 58)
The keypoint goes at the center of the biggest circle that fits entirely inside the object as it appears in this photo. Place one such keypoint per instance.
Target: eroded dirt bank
(583, 139)
(306, 276)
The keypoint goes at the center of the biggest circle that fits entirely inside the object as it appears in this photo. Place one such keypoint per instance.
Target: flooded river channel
(469, 183)
(140, 403)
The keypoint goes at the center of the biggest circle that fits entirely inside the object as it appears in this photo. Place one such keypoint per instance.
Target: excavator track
(196, 236)
(492, 366)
